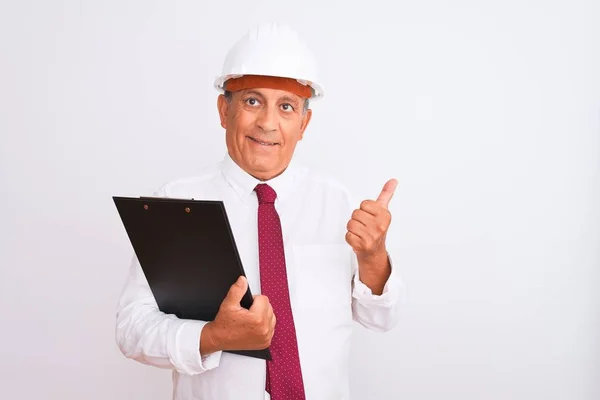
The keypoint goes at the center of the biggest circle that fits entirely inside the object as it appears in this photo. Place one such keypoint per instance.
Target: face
(263, 127)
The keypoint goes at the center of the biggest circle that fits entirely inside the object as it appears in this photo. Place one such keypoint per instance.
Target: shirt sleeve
(377, 312)
(149, 336)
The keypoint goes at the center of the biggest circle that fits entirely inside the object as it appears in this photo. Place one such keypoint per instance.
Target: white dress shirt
(325, 289)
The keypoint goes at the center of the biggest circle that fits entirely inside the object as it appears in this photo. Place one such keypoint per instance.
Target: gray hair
(228, 95)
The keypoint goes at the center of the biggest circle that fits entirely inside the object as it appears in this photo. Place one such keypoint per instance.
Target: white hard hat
(271, 50)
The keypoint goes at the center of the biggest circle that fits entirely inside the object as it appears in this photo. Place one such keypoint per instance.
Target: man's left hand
(367, 230)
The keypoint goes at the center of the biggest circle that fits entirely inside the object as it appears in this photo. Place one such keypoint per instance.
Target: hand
(367, 229)
(237, 328)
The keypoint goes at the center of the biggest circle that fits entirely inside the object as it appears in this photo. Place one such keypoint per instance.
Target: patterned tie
(284, 375)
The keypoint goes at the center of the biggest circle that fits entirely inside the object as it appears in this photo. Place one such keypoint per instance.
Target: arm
(191, 347)
(151, 337)
(376, 287)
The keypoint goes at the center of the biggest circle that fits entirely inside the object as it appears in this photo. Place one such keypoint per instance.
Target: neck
(261, 176)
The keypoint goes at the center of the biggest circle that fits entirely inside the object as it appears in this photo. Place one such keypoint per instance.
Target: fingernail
(240, 281)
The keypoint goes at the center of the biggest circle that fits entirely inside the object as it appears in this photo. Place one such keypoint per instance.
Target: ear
(223, 107)
(305, 121)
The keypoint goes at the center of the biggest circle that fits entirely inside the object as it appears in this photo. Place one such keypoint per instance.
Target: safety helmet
(271, 50)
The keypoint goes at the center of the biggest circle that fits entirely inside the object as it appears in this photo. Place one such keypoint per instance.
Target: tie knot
(265, 193)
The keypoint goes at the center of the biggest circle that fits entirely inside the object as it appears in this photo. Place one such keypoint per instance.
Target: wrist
(209, 339)
(376, 260)
(374, 271)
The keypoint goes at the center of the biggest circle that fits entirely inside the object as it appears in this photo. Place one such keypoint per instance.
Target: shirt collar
(243, 183)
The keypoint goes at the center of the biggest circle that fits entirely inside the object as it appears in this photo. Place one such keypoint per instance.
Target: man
(318, 260)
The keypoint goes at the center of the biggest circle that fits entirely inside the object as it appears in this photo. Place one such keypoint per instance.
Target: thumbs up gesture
(368, 226)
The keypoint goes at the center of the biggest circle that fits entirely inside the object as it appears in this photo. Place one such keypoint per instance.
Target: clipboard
(188, 254)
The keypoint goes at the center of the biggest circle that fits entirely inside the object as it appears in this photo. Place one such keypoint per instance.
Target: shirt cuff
(387, 298)
(186, 358)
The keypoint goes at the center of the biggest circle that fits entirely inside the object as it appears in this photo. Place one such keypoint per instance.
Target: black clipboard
(188, 254)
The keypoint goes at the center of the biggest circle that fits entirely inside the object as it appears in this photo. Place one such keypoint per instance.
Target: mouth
(263, 143)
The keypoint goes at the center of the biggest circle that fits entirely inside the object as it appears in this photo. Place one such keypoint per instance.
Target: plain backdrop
(487, 112)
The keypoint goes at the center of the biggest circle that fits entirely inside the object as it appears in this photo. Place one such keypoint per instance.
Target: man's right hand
(237, 328)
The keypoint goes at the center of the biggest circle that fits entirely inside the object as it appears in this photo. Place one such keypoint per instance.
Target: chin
(265, 169)
(262, 163)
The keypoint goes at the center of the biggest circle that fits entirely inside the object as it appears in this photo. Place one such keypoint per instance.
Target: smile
(263, 143)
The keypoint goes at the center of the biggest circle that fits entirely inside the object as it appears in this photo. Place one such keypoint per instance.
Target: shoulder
(183, 185)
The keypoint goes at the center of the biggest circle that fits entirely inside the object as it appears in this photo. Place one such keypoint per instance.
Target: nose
(267, 119)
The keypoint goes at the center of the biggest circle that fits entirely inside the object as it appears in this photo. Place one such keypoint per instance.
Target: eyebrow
(255, 93)
(289, 100)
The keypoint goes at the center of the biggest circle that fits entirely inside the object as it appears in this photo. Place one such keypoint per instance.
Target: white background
(487, 112)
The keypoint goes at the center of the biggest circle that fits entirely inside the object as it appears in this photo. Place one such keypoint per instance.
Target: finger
(270, 312)
(372, 207)
(273, 322)
(357, 228)
(387, 192)
(363, 216)
(361, 231)
(236, 292)
(260, 304)
(354, 241)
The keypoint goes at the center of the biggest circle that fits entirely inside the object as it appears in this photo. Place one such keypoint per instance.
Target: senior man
(317, 260)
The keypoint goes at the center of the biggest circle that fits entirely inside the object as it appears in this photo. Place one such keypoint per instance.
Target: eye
(251, 101)
(287, 107)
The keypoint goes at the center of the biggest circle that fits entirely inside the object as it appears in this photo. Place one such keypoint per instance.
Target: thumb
(236, 292)
(387, 192)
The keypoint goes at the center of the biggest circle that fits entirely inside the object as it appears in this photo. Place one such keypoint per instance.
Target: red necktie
(284, 375)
